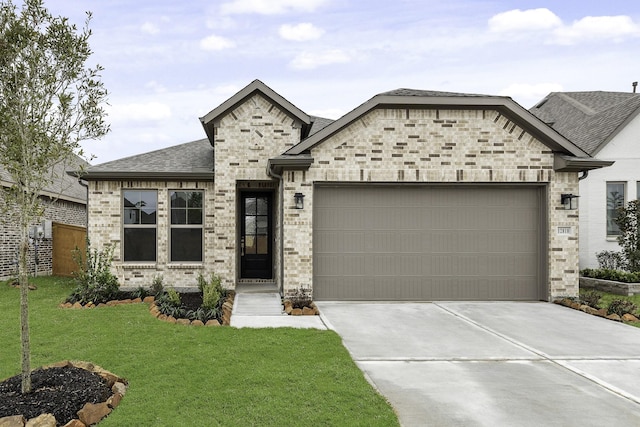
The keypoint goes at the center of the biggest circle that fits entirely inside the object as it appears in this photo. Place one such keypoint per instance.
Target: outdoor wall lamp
(299, 200)
(569, 201)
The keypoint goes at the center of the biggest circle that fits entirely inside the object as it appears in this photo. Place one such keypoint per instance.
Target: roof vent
(635, 85)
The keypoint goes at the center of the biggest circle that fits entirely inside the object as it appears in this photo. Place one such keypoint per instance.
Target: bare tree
(49, 103)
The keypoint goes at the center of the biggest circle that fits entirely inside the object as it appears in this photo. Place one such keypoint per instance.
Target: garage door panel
(427, 243)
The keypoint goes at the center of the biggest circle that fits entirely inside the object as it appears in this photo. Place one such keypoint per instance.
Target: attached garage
(417, 242)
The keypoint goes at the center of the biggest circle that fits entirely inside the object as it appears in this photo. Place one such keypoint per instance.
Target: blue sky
(168, 62)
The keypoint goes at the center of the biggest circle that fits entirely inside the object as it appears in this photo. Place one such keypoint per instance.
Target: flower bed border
(610, 286)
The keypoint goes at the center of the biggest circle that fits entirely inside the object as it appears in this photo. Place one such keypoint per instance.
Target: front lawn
(196, 376)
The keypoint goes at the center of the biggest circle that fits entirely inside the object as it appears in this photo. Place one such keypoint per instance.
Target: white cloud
(524, 20)
(150, 28)
(547, 23)
(308, 60)
(214, 42)
(270, 7)
(300, 32)
(598, 27)
(138, 112)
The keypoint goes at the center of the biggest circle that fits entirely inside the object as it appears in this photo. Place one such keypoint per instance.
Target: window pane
(139, 244)
(131, 216)
(149, 199)
(615, 200)
(262, 225)
(178, 216)
(131, 198)
(250, 206)
(638, 190)
(148, 216)
(195, 199)
(178, 199)
(263, 206)
(186, 244)
(195, 216)
(249, 245)
(249, 225)
(263, 245)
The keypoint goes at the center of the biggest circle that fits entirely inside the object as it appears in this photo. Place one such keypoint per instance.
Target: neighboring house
(606, 125)
(413, 195)
(65, 205)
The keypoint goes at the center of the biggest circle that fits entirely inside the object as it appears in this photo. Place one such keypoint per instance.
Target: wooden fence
(65, 239)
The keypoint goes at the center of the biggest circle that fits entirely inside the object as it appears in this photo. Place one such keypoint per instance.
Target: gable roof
(209, 121)
(64, 187)
(411, 98)
(589, 119)
(192, 160)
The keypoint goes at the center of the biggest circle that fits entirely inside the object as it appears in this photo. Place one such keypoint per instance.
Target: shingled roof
(192, 160)
(65, 186)
(588, 119)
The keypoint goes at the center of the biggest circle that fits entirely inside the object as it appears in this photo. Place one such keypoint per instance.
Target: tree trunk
(23, 278)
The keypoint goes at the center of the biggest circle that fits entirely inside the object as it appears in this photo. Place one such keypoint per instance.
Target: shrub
(140, 293)
(157, 285)
(621, 307)
(611, 260)
(173, 297)
(300, 298)
(607, 274)
(94, 280)
(628, 220)
(591, 298)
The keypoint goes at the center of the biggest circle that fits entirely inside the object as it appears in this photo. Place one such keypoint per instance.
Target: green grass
(196, 376)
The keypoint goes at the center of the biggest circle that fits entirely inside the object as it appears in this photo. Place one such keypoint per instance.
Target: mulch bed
(61, 391)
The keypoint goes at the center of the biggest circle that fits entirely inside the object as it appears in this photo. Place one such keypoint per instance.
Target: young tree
(628, 220)
(49, 102)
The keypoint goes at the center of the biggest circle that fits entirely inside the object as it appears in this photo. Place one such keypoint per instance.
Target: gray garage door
(427, 243)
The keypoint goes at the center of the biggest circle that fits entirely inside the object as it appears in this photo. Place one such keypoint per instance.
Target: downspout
(586, 173)
(86, 185)
(272, 174)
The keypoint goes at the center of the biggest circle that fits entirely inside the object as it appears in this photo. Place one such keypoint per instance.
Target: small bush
(173, 297)
(94, 281)
(621, 307)
(300, 298)
(140, 293)
(591, 298)
(607, 274)
(157, 285)
(611, 260)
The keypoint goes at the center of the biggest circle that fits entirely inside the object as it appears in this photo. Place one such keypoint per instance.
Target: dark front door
(256, 261)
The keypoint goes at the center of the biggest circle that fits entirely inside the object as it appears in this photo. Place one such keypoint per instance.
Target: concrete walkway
(494, 364)
(260, 306)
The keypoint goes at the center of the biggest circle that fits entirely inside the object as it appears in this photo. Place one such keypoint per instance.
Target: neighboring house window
(615, 200)
(638, 190)
(139, 223)
(186, 226)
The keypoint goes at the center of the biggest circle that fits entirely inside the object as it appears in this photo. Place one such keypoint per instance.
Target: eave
(578, 164)
(145, 176)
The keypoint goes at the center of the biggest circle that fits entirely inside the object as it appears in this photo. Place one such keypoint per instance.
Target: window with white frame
(615, 200)
(186, 226)
(139, 222)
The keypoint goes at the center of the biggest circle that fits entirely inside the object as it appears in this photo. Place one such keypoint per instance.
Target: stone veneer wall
(245, 139)
(105, 228)
(59, 210)
(433, 146)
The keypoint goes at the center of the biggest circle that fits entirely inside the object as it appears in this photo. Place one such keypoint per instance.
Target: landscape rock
(149, 299)
(12, 421)
(183, 321)
(296, 312)
(91, 413)
(212, 322)
(44, 420)
(119, 388)
(75, 423)
(628, 317)
(171, 319)
(76, 305)
(613, 316)
(197, 323)
(136, 300)
(114, 400)
(308, 311)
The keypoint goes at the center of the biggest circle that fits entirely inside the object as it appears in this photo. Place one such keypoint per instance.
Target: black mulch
(58, 391)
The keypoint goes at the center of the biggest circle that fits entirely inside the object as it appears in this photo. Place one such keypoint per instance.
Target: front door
(256, 261)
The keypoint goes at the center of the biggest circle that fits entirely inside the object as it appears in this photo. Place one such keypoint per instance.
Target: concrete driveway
(494, 364)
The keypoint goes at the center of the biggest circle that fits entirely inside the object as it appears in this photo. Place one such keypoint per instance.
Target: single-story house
(65, 214)
(607, 125)
(413, 195)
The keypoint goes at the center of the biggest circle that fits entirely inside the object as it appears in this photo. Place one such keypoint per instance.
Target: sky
(169, 62)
